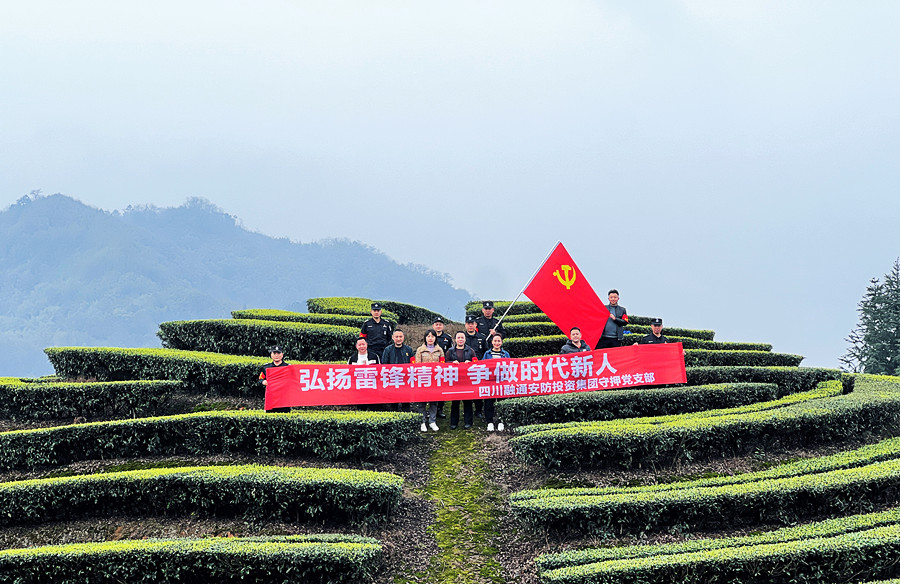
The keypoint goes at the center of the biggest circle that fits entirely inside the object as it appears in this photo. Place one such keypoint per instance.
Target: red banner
(566, 297)
(321, 385)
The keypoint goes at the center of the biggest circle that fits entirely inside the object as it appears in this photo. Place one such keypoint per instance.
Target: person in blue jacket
(496, 352)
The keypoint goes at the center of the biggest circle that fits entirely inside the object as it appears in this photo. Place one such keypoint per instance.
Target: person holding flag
(614, 331)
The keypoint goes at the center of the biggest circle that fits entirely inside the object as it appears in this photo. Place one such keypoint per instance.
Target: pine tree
(875, 342)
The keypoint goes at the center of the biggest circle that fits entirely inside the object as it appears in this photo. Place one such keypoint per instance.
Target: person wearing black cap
(277, 355)
(377, 331)
(655, 337)
(474, 339)
(487, 324)
(479, 343)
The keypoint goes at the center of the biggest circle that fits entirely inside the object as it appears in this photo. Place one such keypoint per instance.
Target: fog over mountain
(78, 275)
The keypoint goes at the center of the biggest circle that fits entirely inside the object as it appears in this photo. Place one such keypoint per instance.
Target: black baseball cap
(487, 304)
(470, 318)
(276, 349)
(376, 306)
(437, 319)
(656, 321)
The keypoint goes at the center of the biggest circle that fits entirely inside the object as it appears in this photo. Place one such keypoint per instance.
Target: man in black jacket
(614, 332)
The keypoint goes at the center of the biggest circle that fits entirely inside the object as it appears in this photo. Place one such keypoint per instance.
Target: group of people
(481, 339)
(380, 343)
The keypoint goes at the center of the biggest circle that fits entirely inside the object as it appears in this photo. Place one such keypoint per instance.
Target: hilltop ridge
(75, 274)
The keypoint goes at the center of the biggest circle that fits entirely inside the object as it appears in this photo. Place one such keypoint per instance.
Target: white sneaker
(424, 427)
(500, 427)
(433, 426)
(491, 427)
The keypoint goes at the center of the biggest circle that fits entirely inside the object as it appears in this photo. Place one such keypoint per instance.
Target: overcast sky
(731, 166)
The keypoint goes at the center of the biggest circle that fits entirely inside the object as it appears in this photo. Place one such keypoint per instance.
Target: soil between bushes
(407, 542)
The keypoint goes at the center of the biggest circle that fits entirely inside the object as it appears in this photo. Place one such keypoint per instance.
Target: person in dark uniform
(574, 344)
(478, 343)
(474, 339)
(277, 355)
(377, 331)
(614, 332)
(655, 337)
(487, 324)
(445, 341)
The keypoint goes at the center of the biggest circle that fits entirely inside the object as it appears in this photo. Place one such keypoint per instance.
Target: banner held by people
(319, 385)
(563, 293)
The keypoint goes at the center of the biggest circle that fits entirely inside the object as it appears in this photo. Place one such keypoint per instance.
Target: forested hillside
(77, 275)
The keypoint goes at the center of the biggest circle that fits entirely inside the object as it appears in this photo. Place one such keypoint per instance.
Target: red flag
(562, 292)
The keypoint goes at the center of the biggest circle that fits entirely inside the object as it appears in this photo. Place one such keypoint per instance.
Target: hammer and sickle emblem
(564, 279)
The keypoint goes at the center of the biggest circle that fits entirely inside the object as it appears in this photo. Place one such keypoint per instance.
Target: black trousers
(608, 343)
(468, 415)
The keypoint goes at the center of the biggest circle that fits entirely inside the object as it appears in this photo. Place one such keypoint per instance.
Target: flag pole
(541, 265)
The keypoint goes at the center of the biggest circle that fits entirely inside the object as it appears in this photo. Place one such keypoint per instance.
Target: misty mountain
(77, 275)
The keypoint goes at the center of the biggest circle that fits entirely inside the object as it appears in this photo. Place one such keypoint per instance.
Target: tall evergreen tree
(875, 342)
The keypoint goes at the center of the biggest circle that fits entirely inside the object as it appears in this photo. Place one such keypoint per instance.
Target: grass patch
(467, 513)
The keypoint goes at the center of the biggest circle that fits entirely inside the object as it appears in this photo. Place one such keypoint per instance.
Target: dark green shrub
(629, 403)
(57, 400)
(328, 434)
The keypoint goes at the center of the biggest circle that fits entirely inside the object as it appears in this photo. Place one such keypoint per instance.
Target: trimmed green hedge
(31, 401)
(820, 529)
(250, 492)
(669, 331)
(321, 433)
(541, 317)
(844, 557)
(551, 344)
(631, 403)
(788, 379)
(301, 341)
(830, 389)
(827, 487)
(692, 343)
(530, 317)
(201, 372)
(700, 358)
(307, 317)
(398, 312)
(521, 307)
(275, 560)
(796, 420)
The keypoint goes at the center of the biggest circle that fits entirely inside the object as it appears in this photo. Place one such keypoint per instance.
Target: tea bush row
(782, 500)
(325, 434)
(200, 372)
(355, 322)
(630, 403)
(275, 560)
(842, 550)
(543, 329)
(35, 401)
(794, 421)
(397, 312)
(888, 449)
(249, 492)
(814, 530)
(300, 341)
